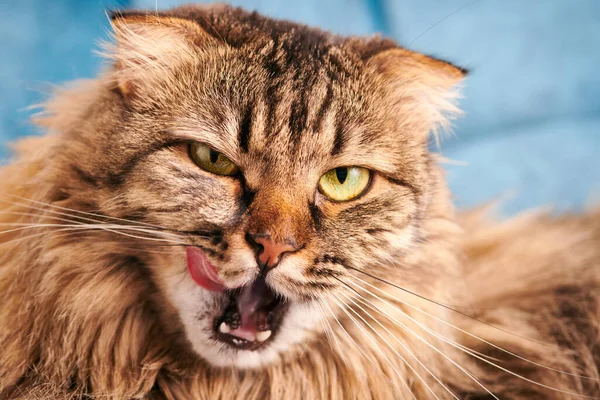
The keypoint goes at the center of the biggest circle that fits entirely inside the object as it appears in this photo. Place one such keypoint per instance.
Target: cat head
(263, 163)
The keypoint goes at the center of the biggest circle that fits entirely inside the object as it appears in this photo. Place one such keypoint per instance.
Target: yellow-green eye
(344, 183)
(211, 160)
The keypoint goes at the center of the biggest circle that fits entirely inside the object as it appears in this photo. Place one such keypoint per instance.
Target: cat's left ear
(149, 46)
(421, 86)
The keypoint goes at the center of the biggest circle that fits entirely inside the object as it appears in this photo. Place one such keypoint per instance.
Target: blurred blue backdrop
(531, 131)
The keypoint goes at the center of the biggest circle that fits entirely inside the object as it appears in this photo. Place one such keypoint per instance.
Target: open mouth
(253, 314)
(252, 317)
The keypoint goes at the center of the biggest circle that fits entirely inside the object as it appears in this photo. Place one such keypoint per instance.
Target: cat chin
(297, 327)
(198, 308)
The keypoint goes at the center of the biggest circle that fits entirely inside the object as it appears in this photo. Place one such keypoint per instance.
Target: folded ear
(147, 47)
(424, 87)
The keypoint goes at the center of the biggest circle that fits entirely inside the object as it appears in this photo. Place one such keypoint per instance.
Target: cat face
(272, 163)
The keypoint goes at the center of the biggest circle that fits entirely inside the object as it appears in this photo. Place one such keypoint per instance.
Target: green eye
(211, 160)
(344, 183)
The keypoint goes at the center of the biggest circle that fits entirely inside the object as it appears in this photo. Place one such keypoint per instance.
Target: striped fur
(393, 295)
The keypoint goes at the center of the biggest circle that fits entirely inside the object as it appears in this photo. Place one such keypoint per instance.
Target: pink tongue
(250, 300)
(202, 271)
(251, 304)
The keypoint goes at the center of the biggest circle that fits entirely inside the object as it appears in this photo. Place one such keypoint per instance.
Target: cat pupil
(341, 174)
(214, 156)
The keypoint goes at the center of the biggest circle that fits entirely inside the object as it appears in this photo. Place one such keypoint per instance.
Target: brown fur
(87, 314)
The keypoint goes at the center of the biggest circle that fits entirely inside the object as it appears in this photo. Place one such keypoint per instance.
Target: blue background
(531, 132)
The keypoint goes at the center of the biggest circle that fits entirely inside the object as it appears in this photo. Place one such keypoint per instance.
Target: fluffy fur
(392, 296)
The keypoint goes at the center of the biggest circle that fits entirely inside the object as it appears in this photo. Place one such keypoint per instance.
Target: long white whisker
(416, 335)
(41, 216)
(46, 210)
(372, 339)
(75, 211)
(329, 332)
(70, 231)
(325, 324)
(118, 230)
(473, 335)
(79, 219)
(397, 353)
(76, 231)
(132, 224)
(92, 226)
(446, 306)
(104, 227)
(348, 335)
(473, 354)
(146, 251)
(31, 226)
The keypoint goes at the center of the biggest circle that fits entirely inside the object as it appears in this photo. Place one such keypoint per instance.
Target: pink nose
(272, 251)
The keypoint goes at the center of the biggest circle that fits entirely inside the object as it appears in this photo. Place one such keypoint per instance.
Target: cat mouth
(253, 314)
(252, 317)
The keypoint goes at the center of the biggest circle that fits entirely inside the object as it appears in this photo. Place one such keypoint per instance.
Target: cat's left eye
(345, 183)
(211, 160)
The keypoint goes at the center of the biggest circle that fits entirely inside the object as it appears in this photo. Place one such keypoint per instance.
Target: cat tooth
(263, 335)
(224, 328)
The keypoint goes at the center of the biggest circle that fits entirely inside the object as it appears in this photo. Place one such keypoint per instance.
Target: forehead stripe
(325, 105)
(271, 98)
(339, 140)
(245, 128)
(298, 114)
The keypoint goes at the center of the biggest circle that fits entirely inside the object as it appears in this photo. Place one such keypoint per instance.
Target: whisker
(382, 280)
(76, 218)
(500, 348)
(461, 368)
(439, 22)
(397, 353)
(116, 230)
(471, 353)
(78, 211)
(372, 339)
(417, 336)
(146, 251)
(104, 227)
(158, 244)
(77, 231)
(80, 226)
(328, 330)
(350, 336)
(79, 221)
(20, 227)
(72, 231)
(25, 214)
(137, 224)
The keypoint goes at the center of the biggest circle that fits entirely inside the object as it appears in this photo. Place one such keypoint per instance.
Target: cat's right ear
(147, 47)
(422, 87)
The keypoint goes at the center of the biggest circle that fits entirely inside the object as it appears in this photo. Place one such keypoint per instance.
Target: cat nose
(269, 251)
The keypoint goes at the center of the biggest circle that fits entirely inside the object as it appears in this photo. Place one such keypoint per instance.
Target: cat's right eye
(344, 183)
(211, 160)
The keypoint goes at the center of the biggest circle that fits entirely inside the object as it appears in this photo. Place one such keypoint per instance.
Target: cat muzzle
(254, 312)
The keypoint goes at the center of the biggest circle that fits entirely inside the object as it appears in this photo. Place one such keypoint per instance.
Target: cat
(247, 208)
